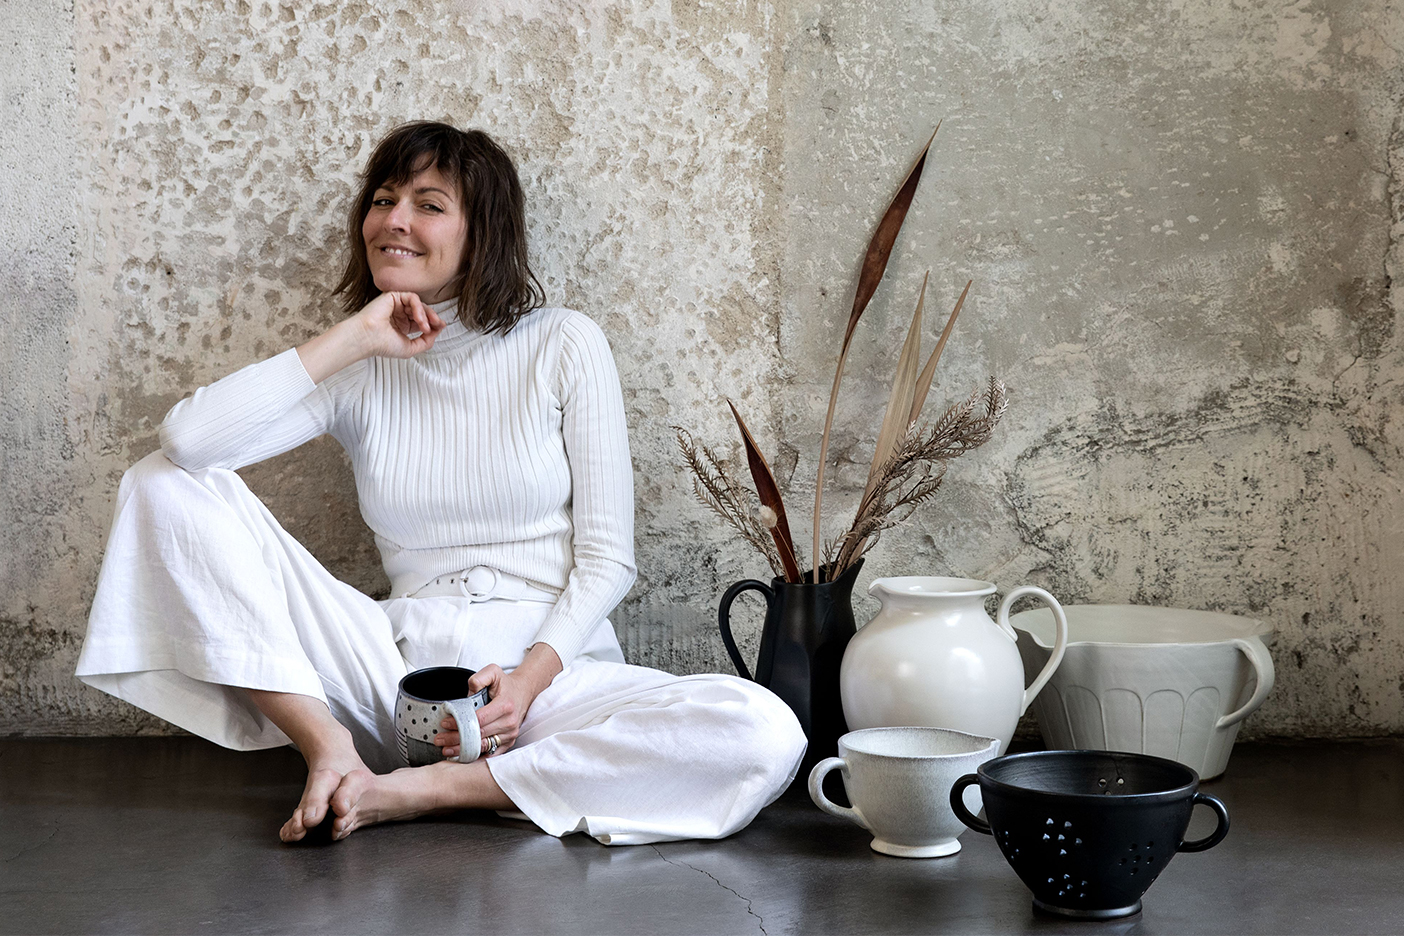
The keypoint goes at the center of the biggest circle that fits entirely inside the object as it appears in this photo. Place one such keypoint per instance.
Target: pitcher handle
(1059, 645)
(1258, 655)
(724, 619)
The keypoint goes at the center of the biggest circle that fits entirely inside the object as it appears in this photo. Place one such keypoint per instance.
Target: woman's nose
(399, 218)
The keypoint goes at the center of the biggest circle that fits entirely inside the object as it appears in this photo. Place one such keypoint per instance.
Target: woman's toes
(304, 819)
(312, 809)
(321, 784)
(292, 830)
(346, 799)
(349, 791)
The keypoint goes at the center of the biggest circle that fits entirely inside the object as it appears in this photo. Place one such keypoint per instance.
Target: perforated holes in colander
(1063, 838)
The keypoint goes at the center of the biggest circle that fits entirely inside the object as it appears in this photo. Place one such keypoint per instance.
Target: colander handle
(1258, 655)
(1215, 837)
(958, 804)
(1060, 642)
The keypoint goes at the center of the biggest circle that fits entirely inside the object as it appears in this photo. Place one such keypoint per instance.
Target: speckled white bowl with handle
(899, 782)
(1162, 681)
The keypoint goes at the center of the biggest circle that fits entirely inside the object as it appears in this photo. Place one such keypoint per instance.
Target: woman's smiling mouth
(398, 252)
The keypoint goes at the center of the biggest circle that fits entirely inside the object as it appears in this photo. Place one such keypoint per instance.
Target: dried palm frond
(874, 265)
(895, 421)
(928, 372)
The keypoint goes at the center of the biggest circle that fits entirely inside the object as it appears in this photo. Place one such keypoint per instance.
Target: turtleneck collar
(455, 333)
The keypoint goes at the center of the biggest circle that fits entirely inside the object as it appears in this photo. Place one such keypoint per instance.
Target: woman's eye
(383, 202)
(432, 207)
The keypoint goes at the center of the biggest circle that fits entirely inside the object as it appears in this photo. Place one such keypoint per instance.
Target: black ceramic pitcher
(807, 628)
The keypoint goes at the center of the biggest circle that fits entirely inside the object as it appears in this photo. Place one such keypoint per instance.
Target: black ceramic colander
(1088, 831)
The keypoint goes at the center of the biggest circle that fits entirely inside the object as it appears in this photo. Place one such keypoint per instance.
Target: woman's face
(414, 236)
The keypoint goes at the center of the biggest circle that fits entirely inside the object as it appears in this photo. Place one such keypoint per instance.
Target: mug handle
(1060, 644)
(724, 619)
(469, 731)
(958, 804)
(816, 790)
(1258, 655)
(1215, 837)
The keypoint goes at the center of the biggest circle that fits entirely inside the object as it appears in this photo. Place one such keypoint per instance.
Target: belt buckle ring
(479, 595)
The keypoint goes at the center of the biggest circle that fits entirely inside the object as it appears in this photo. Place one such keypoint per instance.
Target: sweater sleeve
(257, 412)
(602, 488)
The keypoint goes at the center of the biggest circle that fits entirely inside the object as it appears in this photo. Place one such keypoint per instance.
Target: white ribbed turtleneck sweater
(508, 451)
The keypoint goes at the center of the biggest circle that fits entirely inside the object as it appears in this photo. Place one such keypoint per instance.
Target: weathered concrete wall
(1182, 220)
(49, 548)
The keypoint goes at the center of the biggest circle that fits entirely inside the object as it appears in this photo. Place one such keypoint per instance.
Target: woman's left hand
(512, 695)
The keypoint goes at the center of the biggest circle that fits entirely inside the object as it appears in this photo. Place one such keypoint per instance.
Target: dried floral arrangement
(909, 462)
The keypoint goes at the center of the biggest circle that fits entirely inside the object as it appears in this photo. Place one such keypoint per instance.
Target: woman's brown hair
(496, 287)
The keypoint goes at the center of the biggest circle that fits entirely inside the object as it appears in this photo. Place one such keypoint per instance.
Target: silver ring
(493, 743)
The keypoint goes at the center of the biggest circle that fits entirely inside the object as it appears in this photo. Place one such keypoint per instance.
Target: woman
(491, 459)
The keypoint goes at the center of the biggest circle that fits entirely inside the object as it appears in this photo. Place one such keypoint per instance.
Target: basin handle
(1059, 645)
(958, 804)
(1215, 837)
(1257, 653)
(816, 791)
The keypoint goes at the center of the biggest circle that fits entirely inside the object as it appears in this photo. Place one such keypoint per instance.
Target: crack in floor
(760, 921)
(30, 848)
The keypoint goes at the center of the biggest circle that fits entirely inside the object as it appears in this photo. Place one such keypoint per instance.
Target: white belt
(484, 583)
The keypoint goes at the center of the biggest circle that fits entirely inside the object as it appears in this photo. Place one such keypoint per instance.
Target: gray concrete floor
(178, 836)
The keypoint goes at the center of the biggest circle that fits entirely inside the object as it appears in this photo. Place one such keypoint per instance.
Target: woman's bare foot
(326, 745)
(324, 776)
(338, 781)
(363, 798)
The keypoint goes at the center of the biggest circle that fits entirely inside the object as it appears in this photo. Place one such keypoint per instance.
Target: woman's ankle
(466, 786)
(334, 750)
(320, 738)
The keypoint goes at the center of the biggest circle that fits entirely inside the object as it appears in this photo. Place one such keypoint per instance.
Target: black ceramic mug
(425, 697)
(1088, 831)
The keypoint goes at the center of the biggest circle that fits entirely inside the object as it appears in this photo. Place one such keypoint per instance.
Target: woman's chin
(427, 294)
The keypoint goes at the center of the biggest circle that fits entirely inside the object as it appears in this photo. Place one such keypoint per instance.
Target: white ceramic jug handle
(1258, 655)
(469, 732)
(816, 790)
(1060, 644)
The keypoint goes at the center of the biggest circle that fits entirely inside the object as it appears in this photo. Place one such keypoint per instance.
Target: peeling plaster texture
(1183, 219)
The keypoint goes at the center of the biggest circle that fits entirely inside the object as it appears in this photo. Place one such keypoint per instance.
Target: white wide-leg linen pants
(203, 594)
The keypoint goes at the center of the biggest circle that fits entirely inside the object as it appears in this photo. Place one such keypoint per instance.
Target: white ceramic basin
(1163, 681)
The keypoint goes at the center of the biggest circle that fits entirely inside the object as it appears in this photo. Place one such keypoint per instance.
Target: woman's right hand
(398, 325)
(393, 324)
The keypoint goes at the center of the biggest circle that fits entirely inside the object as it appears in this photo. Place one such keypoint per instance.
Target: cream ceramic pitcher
(933, 657)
